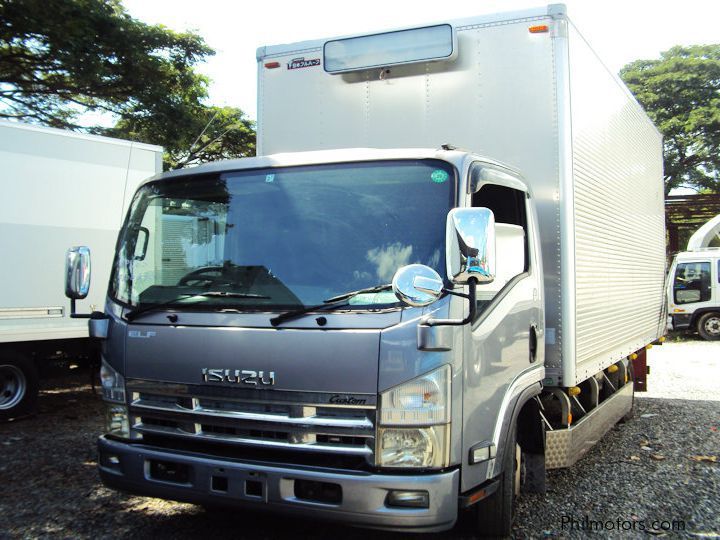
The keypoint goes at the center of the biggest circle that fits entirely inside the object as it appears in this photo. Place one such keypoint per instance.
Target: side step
(563, 447)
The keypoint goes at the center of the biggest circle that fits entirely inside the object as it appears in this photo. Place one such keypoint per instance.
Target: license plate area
(215, 481)
(169, 471)
(246, 485)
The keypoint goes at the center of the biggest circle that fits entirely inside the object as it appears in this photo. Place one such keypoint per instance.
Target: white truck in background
(694, 284)
(59, 189)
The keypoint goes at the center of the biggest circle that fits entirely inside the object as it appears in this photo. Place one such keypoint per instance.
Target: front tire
(709, 326)
(19, 385)
(494, 515)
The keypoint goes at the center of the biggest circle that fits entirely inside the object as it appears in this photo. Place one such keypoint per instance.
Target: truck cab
(350, 334)
(694, 292)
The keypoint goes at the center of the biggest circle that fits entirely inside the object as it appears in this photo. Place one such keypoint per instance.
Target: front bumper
(129, 467)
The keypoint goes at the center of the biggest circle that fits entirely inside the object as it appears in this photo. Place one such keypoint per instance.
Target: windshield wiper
(130, 315)
(345, 296)
(327, 305)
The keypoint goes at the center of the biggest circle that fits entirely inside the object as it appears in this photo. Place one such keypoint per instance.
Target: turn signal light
(539, 29)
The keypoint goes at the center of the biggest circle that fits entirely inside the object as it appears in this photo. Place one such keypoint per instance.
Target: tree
(59, 62)
(192, 137)
(681, 93)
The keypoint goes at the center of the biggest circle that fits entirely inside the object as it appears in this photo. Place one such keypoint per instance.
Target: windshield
(283, 237)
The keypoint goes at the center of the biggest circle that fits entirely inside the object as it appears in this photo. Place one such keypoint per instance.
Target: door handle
(533, 343)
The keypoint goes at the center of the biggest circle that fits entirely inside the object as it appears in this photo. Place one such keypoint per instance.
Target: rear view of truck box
(526, 89)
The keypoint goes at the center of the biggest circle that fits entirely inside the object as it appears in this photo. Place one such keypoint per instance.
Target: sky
(619, 31)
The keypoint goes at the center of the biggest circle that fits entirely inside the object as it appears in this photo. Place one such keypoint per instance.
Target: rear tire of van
(19, 385)
(709, 326)
(494, 515)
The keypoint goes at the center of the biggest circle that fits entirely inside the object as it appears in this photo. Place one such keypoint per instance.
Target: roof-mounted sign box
(427, 44)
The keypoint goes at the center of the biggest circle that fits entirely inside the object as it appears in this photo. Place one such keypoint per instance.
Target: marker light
(272, 65)
(574, 391)
(539, 29)
(612, 369)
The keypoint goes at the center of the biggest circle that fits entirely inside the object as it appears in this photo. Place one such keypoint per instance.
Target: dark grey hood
(310, 360)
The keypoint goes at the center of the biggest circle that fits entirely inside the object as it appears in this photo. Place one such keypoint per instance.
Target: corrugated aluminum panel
(619, 230)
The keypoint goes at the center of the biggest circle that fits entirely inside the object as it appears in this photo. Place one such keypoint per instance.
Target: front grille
(254, 419)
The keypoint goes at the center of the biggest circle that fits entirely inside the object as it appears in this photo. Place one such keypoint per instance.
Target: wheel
(18, 386)
(709, 326)
(494, 515)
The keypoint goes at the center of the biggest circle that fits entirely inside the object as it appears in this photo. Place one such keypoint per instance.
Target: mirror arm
(95, 315)
(453, 293)
(471, 296)
(74, 314)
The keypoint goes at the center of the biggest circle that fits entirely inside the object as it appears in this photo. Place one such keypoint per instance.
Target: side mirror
(145, 233)
(77, 273)
(470, 241)
(417, 285)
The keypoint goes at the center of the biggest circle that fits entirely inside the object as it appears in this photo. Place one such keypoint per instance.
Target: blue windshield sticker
(439, 176)
(269, 178)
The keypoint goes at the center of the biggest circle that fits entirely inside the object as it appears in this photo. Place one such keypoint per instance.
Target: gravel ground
(656, 467)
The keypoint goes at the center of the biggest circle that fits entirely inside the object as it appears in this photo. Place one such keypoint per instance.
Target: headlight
(113, 384)
(413, 447)
(423, 403)
(116, 420)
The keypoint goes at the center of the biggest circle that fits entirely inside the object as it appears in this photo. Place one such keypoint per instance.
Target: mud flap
(640, 371)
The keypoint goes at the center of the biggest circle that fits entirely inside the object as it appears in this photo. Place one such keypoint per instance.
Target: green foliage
(63, 59)
(681, 93)
(205, 134)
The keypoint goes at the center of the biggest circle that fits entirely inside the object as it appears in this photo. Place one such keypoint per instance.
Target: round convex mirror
(417, 285)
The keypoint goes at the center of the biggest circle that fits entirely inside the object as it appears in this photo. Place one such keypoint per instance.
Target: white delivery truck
(390, 334)
(59, 189)
(694, 284)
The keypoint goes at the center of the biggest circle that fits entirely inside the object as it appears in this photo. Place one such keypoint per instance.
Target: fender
(526, 386)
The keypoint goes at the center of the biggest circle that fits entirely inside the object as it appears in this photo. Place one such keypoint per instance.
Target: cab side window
(692, 282)
(511, 253)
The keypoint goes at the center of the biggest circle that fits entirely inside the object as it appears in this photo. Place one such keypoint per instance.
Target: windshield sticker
(439, 176)
(269, 178)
